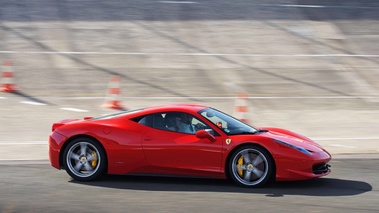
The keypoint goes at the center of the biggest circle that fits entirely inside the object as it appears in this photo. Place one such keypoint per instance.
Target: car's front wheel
(251, 166)
(84, 159)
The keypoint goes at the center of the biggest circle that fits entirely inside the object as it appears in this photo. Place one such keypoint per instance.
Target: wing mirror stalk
(205, 134)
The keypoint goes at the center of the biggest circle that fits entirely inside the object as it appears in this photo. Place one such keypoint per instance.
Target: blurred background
(305, 65)
(309, 66)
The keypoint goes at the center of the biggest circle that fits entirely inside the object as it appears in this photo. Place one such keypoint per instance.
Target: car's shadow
(316, 187)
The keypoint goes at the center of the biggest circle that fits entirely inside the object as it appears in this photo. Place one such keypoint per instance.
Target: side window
(158, 121)
(199, 124)
(183, 122)
(174, 121)
(153, 120)
(171, 120)
(147, 120)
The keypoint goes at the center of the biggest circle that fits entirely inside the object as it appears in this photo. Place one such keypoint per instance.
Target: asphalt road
(29, 187)
(309, 66)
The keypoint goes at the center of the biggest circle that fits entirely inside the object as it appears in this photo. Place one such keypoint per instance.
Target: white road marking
(4, 161)
(189, 54)
(340, 139)
(357, 156)
(33, 103)
(23, 142)
(315, 97)
(317, 6)
(178, 2)
(301, 5)
(215, 97)
(343, 146)
(74, 109)
(191, 97)
(212, 97)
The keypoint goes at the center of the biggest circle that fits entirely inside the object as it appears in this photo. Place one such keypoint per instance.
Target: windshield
(226, 123)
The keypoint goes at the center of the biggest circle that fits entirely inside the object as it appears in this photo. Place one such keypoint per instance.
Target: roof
(176, 107)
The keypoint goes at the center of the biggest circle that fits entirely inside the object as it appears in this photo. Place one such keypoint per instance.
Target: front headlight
(298, 148)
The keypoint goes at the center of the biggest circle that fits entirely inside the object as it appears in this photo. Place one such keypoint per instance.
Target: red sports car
(183, 139)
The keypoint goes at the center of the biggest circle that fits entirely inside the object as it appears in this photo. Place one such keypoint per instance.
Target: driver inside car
(185, 124)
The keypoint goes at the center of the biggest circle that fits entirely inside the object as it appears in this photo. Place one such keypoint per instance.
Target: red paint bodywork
(133, 148)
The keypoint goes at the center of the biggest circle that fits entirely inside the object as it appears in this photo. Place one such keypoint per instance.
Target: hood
(292, 138)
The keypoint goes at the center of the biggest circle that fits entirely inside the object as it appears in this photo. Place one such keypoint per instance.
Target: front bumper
(303, 168)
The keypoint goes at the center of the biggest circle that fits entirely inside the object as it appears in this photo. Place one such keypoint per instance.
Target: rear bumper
(55, 145)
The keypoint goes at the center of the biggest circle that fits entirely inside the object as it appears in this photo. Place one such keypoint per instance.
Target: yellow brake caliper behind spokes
(239, 166)
(94, 159)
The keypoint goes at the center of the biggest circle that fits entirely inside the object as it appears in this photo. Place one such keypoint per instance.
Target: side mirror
(205, 134)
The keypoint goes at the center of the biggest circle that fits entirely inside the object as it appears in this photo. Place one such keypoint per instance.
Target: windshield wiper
(244, 133)
(249, 132)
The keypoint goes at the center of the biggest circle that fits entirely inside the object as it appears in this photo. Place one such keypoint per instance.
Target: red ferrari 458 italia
(183, 139)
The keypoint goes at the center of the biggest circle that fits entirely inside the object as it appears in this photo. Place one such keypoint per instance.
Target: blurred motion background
(309, 66)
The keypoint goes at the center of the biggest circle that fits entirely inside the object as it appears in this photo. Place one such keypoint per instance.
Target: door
(177, 151)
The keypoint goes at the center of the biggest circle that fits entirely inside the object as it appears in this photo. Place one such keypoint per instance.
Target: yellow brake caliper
(239, 166)
(94, 159)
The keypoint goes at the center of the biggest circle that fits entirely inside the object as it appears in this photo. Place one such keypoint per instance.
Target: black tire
(251, 166)
(84, 159)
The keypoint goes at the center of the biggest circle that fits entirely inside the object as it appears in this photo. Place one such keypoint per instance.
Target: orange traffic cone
(114, 91)
(7, 77)
(240, 107)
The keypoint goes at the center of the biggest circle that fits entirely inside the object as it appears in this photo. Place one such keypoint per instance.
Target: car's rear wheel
(84, 159)
(251, 166)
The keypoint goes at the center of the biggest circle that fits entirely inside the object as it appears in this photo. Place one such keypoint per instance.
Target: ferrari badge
(228, 141)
